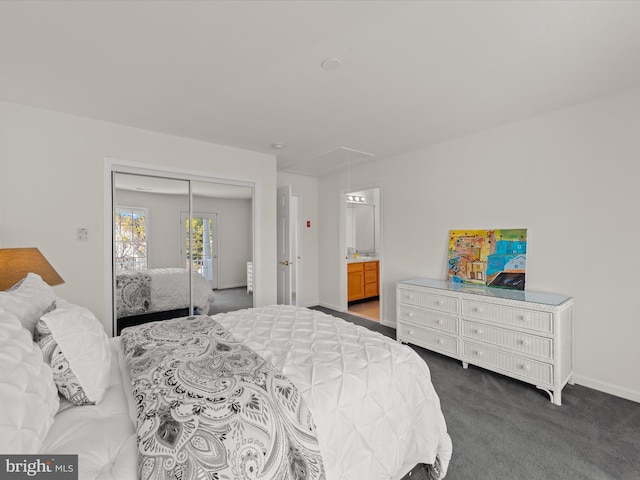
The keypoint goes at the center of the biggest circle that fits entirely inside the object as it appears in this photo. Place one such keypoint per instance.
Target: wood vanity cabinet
(362, 280)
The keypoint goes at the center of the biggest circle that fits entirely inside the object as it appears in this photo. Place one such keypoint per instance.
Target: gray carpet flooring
(503, 429)
(230, 299)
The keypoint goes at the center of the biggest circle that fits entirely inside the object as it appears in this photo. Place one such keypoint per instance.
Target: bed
(375, 411)
(146, 294)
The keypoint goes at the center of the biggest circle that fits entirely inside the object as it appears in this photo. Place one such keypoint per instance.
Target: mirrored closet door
(178, 245)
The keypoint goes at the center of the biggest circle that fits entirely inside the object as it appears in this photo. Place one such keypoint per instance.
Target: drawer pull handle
(524, 343)
(410, 332)
(524, 318)
(409, 297)
(478, 353)
(410, 314)
(439, 302)
(478, 331)
(439, 322)
(478, 309)
(440, 341)
(526, 368)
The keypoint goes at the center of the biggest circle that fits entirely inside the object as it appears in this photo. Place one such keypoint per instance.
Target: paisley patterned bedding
(133, 292)
(160, 289)
(210, 407)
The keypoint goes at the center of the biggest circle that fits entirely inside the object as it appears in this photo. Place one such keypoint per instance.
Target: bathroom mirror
(360, 228)
(364, 216)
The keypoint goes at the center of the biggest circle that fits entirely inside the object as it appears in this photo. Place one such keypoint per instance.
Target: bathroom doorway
(362, 235)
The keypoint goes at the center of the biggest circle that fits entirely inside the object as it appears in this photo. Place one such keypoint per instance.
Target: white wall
(163, 240)
(306, 188)
(235, 235)
(570, 177)
(53, 168)
(163, 222)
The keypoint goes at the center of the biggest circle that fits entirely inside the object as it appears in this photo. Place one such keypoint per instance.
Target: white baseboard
(231, 285)
(328, 305)
(387, 323)
(616, 390)
(310, 304)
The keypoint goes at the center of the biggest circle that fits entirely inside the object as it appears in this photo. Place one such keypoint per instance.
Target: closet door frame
(113, 166)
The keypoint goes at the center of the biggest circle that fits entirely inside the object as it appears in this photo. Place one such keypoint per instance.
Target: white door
(204, 254)
(285, 260)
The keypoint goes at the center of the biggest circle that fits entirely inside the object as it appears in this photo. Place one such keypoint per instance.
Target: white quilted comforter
(372, 399)
(170, 290)
(375, 408)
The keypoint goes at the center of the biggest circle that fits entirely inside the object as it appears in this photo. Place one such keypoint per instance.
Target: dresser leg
(465, 364)
(554, 396)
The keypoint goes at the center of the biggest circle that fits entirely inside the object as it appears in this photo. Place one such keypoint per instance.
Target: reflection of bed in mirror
(158, 294)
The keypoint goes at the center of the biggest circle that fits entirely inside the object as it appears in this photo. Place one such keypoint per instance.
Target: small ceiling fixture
(278, 146)
(331, 64)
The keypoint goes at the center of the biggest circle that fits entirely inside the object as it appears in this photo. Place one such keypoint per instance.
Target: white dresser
(524, 335)
(249, 277)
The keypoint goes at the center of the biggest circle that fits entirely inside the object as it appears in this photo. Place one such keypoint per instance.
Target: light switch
(82, 234)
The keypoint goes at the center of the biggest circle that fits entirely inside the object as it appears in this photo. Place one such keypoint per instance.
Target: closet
(176, 240)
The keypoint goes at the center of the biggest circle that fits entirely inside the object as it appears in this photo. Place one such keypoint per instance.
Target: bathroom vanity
(363, 279)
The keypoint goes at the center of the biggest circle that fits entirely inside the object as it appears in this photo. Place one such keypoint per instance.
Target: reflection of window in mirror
(149, 281)
(130, 238)
(202, 250)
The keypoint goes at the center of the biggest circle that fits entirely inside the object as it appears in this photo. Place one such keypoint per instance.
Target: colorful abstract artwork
(496, 258)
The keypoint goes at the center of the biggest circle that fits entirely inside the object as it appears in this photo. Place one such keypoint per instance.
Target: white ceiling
(247, 74)
(172, 186)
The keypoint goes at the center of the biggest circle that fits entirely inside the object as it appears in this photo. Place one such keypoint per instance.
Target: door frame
(297, 236)
(342, 202)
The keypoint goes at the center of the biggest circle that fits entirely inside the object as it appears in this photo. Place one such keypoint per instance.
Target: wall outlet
(82, 234)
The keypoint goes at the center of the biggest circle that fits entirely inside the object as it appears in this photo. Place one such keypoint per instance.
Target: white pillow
(28, 397)
(76, 346)
(29, 299)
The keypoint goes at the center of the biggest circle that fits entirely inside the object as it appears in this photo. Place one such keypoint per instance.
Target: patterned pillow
(77, 348)
(28, 299)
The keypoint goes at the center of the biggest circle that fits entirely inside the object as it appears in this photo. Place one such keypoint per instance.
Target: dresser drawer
(427, 318)
(371, 266)
(427, 338)
(442, 303)
(517, 317)
(481, 355)
(514, 340)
